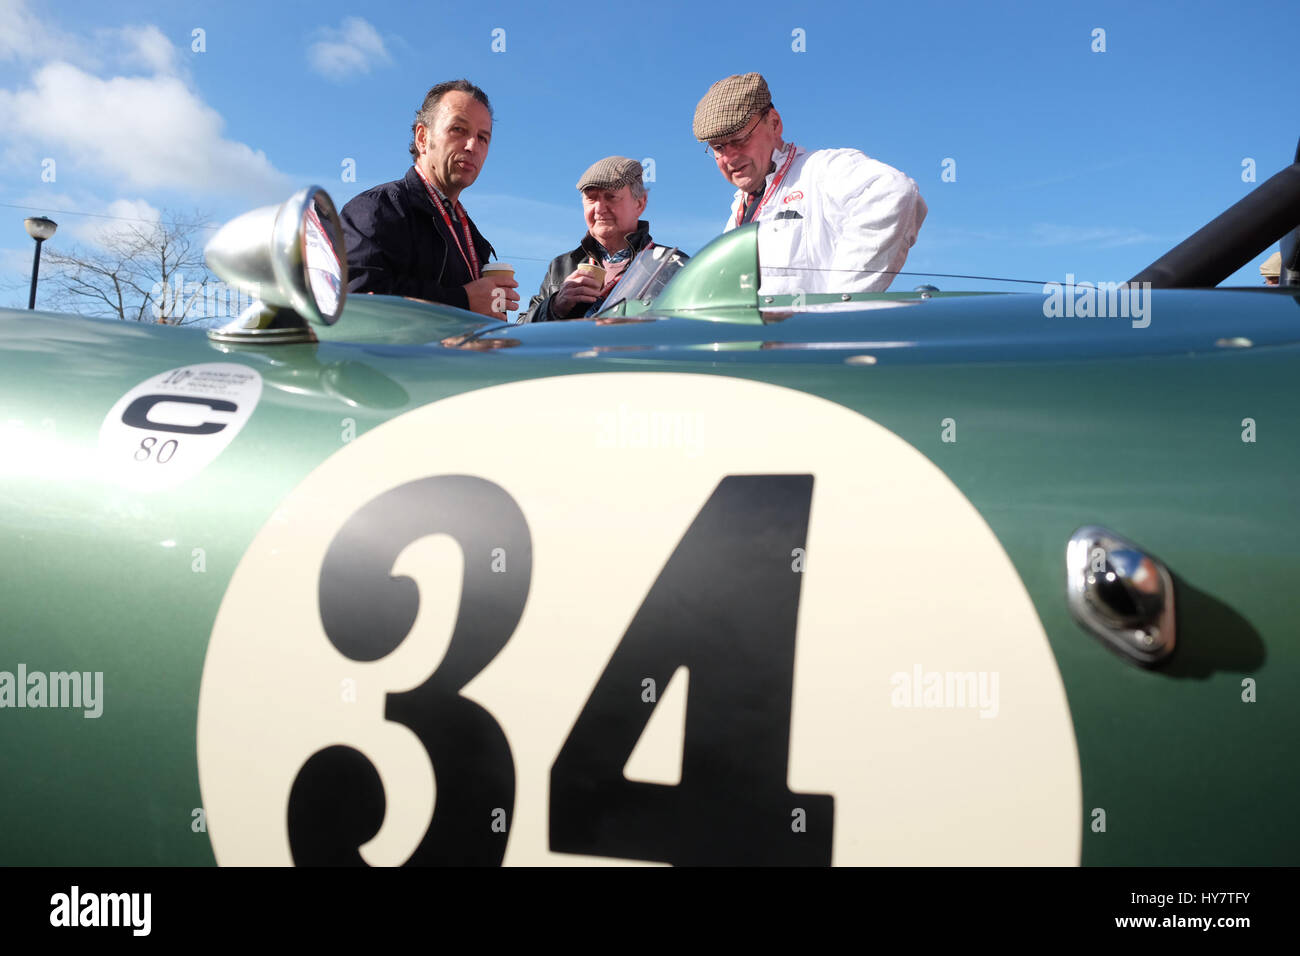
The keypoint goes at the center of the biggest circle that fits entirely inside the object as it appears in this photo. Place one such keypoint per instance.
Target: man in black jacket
(613, 197)
(412, 237)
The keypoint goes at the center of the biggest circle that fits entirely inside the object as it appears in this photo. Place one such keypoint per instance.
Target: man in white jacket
(833, 220)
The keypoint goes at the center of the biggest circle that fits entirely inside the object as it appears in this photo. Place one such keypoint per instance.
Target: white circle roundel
(633, 618)
(170, 427)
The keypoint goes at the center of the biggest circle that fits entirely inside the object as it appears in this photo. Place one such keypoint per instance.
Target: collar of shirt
(619, 256)
(778, 157)
(447, 204)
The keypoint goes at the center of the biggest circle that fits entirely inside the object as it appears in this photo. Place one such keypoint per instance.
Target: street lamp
(40, 229)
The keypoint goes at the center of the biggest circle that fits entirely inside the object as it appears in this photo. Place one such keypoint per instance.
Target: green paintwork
(721, 278)
(1063, 422)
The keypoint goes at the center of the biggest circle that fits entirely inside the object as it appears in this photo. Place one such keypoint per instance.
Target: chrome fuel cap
(1120, 594)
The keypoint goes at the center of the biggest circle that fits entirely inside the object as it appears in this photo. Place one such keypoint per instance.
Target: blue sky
(1067, 160)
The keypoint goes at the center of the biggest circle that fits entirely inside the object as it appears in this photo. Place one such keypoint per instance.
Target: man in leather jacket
(613, 198)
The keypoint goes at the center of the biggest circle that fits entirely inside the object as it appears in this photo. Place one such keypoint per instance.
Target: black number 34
(724, 606)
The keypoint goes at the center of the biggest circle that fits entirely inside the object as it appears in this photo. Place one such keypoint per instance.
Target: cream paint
(657, 756)
(901, 571)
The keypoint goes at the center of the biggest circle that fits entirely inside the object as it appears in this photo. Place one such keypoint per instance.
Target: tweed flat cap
(729, 105)
(1272, 266)
(612, 172)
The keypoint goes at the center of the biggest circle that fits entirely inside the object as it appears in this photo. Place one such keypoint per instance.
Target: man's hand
(578, 288)
(492, 296)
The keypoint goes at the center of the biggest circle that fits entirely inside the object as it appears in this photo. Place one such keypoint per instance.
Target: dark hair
(424, 115)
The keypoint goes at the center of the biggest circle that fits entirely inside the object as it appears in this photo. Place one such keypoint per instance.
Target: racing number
(725, 606)
(337, 802)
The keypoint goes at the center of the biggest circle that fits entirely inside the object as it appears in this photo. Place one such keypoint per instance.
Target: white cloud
(149, 47)
(25, 37)
(63, 207)
(128, 215)
(133, 49)
(116, 108)
(151, 132)
(352, 48)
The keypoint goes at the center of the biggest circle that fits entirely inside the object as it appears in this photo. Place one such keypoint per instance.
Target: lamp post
(40, 229)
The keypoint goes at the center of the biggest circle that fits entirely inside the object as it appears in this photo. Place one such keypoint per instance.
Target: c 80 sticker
(170, 427)
(461, 651)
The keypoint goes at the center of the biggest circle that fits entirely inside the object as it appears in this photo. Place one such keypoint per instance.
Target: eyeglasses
(739, 142)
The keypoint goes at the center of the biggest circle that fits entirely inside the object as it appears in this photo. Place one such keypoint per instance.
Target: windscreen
(646, 277)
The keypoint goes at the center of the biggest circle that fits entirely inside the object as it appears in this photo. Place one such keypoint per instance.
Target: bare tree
(138, 271)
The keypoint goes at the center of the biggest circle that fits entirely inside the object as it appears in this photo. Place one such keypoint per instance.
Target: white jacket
(840, 221)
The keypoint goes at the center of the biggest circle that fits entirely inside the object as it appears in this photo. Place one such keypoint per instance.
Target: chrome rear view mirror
(293, 259)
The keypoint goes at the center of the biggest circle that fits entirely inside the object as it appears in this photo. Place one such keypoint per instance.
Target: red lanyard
(471, 260)
(776, 184)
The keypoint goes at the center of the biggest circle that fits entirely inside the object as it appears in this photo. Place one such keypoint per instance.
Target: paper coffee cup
(498, 270)
(596, 272)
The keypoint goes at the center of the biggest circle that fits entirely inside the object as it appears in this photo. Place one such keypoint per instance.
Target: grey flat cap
(729, 105)
(612, 172)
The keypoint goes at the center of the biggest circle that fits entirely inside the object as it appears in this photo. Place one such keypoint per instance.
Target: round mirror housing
(311, 260)
(292, 258)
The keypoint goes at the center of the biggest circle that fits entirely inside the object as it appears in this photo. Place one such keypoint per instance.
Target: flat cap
(612, 172)
(1272, 265)
(729, 105)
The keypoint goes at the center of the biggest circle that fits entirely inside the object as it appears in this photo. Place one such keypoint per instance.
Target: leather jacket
(539, 308)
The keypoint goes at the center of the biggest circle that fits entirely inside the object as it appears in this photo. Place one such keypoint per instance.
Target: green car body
(1041, 424)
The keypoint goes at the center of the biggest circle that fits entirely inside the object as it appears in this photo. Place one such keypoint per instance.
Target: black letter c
(137, 414)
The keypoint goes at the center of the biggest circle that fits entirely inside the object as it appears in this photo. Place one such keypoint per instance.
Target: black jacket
(539, 309)
(398, 244)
